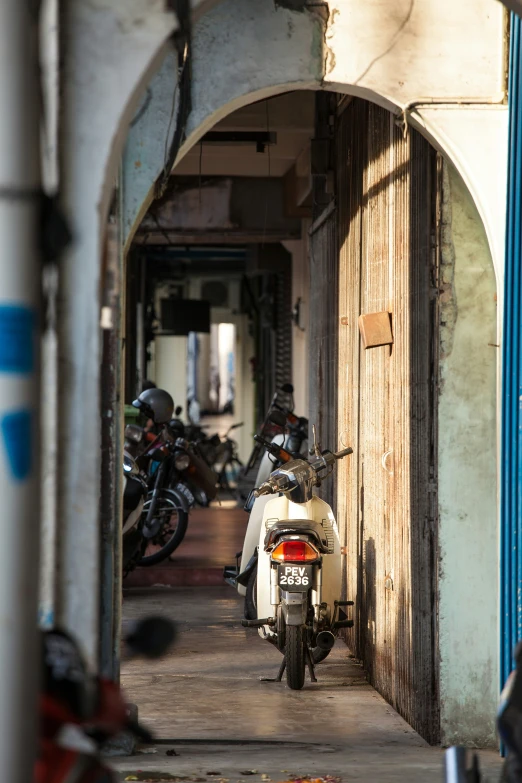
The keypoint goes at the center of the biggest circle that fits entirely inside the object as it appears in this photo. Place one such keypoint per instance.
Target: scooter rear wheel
(295, 656)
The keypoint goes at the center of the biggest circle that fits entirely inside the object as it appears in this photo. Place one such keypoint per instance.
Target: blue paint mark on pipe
(511, 457)
(17, 338)
(16, 429)
(46, 618)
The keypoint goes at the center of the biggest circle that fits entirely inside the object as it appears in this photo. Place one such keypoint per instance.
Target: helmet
(157, 404)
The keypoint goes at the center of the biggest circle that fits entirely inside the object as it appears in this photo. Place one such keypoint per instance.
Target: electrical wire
(200, 171)
(161, 228)
(269, 169)
(182, 40)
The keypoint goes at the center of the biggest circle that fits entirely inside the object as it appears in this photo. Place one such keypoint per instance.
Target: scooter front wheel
(295, 656)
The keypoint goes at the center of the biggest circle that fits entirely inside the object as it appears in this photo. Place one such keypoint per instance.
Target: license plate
(185, 491)
(295, 578)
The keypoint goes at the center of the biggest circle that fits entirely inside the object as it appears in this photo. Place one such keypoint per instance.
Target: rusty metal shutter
(386, 192)
(324, 266)
(283, 315)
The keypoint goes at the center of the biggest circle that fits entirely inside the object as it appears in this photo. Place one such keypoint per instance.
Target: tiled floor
(213, 538)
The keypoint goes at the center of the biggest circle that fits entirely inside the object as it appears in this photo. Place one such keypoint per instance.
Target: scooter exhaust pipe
(325, 640)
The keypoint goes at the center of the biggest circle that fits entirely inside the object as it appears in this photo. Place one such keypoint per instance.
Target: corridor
(207, 702)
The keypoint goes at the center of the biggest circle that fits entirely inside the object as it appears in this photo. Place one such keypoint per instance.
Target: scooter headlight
(181, 461)
(295, 552)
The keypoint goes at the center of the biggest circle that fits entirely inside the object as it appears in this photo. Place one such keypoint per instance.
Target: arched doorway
(394, 230)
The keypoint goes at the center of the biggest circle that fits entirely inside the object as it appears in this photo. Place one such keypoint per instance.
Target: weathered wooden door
(324, 301)
(386, 204)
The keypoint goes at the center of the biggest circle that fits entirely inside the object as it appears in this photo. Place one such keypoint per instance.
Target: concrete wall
(468, 536)
(170, 368)
(438, 65)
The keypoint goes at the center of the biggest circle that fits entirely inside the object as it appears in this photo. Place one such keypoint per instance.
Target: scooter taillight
(295, 552)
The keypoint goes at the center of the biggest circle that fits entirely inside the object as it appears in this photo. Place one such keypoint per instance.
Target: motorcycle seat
(319, 531)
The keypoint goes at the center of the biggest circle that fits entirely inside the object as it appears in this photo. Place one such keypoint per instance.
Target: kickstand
(310, 663)
(281, 670)
(279, 676)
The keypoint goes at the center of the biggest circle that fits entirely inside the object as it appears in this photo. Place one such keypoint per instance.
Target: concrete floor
(206, 701)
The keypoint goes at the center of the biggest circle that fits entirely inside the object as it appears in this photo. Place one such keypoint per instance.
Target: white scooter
(299, 574)
(282, 448)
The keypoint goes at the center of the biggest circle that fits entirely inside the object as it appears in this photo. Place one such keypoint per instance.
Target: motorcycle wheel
(172, 532)
(251, 596)
(295, 656)
(250, 612)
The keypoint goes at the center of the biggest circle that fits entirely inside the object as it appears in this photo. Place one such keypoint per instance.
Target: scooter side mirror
(178, 410)
(151, 637)
(278, 418)
(133, 433)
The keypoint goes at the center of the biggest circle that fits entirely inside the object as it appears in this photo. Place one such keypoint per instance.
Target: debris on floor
(312, 779)
(153, 776)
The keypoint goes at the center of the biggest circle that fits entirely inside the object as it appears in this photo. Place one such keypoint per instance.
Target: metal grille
(283, 368)
(324, 265)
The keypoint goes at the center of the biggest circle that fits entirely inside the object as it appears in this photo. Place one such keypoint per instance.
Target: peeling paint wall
(468, 569)
(448, 77)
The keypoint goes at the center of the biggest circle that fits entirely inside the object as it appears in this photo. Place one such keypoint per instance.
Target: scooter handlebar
(343, 453)
(264, 489)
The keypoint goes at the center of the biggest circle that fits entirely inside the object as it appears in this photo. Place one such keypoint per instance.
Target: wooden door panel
(386, 190)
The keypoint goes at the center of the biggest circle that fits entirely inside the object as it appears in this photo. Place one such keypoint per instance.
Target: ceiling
(290, 116)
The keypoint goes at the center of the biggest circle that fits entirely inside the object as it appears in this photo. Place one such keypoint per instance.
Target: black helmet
(157, 404)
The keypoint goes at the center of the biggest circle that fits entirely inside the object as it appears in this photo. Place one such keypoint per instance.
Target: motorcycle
(79, 713)
(227, 463)
(247, 476)
(172, 466)
(134, 496)
(299, 606)
(294, 438)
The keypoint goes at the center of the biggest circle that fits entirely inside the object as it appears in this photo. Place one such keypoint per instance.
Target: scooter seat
(302, 527)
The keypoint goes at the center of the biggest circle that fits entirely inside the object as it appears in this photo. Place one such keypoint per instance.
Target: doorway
(364, 203)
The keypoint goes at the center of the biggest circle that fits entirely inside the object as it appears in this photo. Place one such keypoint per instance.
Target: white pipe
(79, 353)
(49, 409)
(19, 388)
(48, 41)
